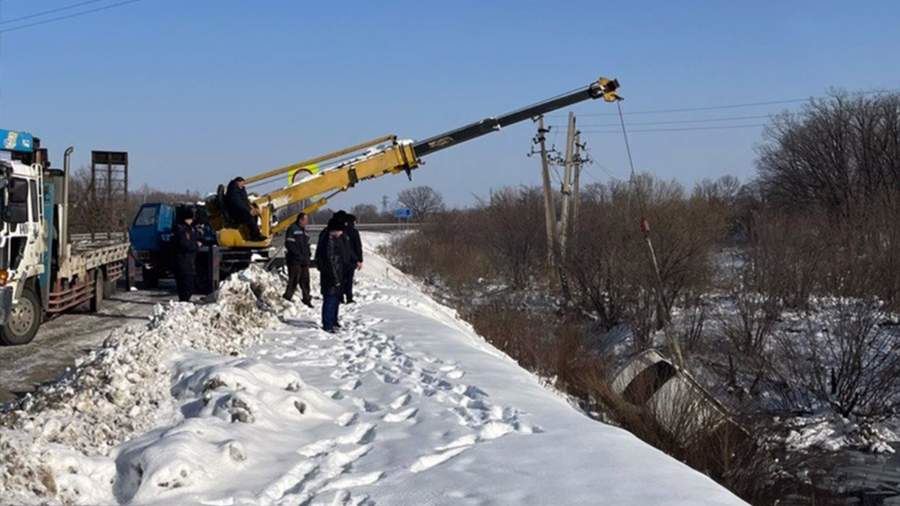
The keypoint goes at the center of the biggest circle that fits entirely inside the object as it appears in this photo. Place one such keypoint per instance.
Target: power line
(688, 129)
(709, 108)
(678, 122)
(50, 11)
(732, 106)
(69, 16)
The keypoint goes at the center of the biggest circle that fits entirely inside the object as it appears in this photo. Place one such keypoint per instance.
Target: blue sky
(200, 91)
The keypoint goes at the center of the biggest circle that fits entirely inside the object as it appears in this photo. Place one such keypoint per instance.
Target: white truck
(42, 274)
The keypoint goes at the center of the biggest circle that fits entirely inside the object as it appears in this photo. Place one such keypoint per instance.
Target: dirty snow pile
(123, 388)
(404, 405)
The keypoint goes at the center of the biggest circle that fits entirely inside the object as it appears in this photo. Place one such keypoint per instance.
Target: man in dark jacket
(186, 245)
(240, 209)
(297, 258)
(355, 244)
(331, 261)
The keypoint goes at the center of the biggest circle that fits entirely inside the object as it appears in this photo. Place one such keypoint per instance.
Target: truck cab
(151, 235)
(41, 273)
(23, 238)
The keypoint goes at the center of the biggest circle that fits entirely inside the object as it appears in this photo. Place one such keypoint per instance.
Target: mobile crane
(341, 170)
(326, 176)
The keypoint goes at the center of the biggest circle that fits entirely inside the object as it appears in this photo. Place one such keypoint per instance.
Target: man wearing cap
(354, 243)
(331, 260)
(296, 244)
(240, 209)
(186, 245)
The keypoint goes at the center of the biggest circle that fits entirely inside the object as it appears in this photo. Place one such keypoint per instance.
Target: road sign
(404, 213)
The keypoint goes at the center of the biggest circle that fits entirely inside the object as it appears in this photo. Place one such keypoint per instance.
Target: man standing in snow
(297, 257)
(331, 261)
(355, 247)
(186, 246)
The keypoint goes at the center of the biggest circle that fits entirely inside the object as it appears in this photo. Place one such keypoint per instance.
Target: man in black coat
(356, 251)
(186, 245)
(297, 258)
(331, 261)
(240, 209)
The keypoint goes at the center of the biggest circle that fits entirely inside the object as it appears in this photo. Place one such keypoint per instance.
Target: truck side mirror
(16, 210)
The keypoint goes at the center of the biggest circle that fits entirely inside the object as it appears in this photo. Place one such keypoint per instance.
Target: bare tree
(837, 154)
(423, 201)
(89, 212)
(511, 233)
(365, 213)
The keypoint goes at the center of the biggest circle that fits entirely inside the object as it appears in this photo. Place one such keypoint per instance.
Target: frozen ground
(246, 401)
(61, 340)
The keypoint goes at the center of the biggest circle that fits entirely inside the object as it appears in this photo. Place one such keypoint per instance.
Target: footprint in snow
(351, 385)
(455, 374)
(363, 434)
(347, 419)
(401, 416)
(428, 461)
(367, 406)
(401, 401)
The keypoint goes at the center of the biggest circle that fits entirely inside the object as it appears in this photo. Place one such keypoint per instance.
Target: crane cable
(645, 231)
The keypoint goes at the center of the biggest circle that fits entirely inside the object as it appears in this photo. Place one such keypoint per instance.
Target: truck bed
(88, 253)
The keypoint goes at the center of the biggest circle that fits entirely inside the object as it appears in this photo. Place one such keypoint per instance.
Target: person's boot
(307, 302)
(349, 301)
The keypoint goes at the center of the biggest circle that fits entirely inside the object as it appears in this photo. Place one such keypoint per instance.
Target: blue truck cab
(151, 235)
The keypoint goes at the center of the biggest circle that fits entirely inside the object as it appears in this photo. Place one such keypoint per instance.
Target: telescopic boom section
(605, 88)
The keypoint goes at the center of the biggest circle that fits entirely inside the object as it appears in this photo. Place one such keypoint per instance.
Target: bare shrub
(511, 233)
(848, 361)
(609, 261)
(442, 251)
(792, 256)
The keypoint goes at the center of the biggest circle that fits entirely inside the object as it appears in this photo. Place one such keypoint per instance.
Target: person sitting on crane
(241, 210)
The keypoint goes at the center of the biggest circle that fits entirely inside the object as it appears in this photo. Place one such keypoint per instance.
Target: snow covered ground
(246, 401)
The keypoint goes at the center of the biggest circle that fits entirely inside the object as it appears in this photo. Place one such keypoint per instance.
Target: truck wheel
(151, 280)
(24, 320)
(97, 299)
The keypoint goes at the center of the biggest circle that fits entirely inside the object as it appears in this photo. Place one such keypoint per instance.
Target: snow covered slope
(405, 405)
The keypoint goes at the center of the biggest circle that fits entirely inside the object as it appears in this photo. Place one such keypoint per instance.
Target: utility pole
(549, 206)
(576, 196)
(567, 186)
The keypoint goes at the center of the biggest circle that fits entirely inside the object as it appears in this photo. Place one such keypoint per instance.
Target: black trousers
(347, 289)
(253, 228)
(185, 284)
(298, 274)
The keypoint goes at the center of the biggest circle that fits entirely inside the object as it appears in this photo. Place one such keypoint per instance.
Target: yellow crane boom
(344, 168)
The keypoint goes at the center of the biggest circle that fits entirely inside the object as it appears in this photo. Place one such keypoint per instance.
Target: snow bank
(123, 388)
(247, 401)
